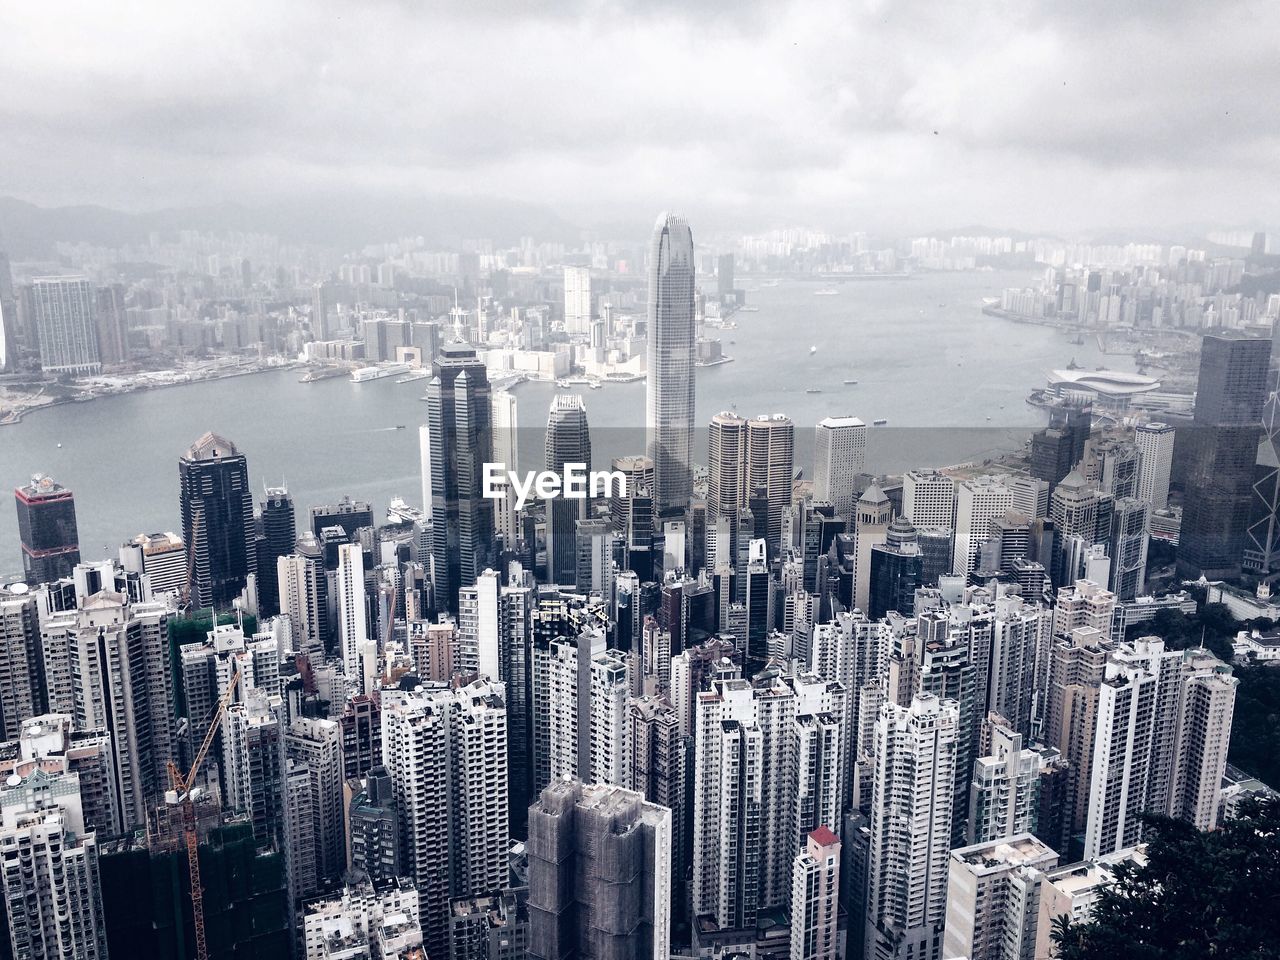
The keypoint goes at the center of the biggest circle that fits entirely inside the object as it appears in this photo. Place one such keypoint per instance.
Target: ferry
(814, 390)
(879, 423)
(363, 374)
(827, 292)
(851, 383)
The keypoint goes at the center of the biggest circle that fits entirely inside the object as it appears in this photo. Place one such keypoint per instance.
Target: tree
(1199, 895)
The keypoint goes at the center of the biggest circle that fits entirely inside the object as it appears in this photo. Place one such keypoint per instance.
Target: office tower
(1081, 518)
(599, 874)
(1058, 448)
(929, 499)
(22, 693)
(49, 871)
(47, 530)
(459, 415)
(304, 590)
(568, 440)
(911, 808)
(767, 770)
(276, 537)
(1112, 465)
(506, 451)
(993, 898)
(896, 571)
(108, 665)
(577, 300)
(726, 465)
(1009, 541)
(656, 769)
(978, 501)
(217, 520)
(315, 745)
(1155, 448)
(160, 558)
(1004, 793)
(1221, 457)
(595, 569)
(872, 515)
(770, 467)
(815, 888)
(110, 326)
(363, 922)
(1030, 496)
(670, 387)
(65, 329)
(935, 552)
(724, 277)
(375, 830)
(839, 455)
(1129, 547)
(759, 606)
(490, 926)
(479, 632)
(639, 474)
(445, 751)
(350, 515)
(1262, 540)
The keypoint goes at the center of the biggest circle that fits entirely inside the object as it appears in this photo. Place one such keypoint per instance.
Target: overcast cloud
(883, 115)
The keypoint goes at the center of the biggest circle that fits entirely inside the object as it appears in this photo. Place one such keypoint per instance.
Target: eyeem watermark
(575, 483)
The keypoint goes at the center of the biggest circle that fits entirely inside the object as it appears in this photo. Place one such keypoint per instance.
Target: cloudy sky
(896, 115)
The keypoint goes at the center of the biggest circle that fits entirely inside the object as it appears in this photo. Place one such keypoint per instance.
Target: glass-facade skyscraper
(669, 396)
(217, 520)
(568, 441)
(47, 530)
(460, 429)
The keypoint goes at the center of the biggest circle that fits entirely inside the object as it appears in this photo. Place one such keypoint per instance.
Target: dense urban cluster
(755, 708)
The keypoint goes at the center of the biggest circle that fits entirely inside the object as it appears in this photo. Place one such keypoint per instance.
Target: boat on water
(563, 383)
(400, 426)
(770, 283)
(879, 423)
(851, 383)
(814, 390)
(813, 350)
(827, 292)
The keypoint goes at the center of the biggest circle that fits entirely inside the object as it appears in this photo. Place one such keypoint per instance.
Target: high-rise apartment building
(445, 752)
(65, 328)
(911, 809)
(217, 520)
(506, 451)
(352, 611)
(1221, 454)
(47, 530)
(161, 558)
(1004, 791)
(993, 898)
(815, 898)
(599, 874)
(670, 386)
(460, 429)
(22, 693)
(839, 455)
(49, 871)
(568, 440)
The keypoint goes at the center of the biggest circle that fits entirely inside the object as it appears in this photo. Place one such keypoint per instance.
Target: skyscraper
(1057, 449)
(352, 610)
(993, 898)
(276, 536)
(577, 300)
(770, 467)
(1222, 450)
(460, 425)
(568, 441)
(506, 451)
(897, 568)
(1155, 446)
(217, 520)
(64, 325)
(911, 808)
(978, 502)
(47, 530)
(670, 390)
(599, 874)
(839, 455)
(815, 888)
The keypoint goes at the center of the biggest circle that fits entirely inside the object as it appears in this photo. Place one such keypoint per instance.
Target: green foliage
(1255, 726)
(1200, 895)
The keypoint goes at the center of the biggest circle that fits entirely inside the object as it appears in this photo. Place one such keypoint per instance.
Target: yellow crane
(182, 787)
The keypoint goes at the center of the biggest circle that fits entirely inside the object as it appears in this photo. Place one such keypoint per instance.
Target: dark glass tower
(897, 570)
(276, 536)
(47, 529)
(350, 515)
(1221, 455)
(568, 441)
(1058, 448)
(217, 520)
(460, 423)
(669, 393)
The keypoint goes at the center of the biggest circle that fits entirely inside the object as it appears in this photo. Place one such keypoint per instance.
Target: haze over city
(892, 117)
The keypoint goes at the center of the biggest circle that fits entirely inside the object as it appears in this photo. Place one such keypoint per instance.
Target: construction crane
(181, 788)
